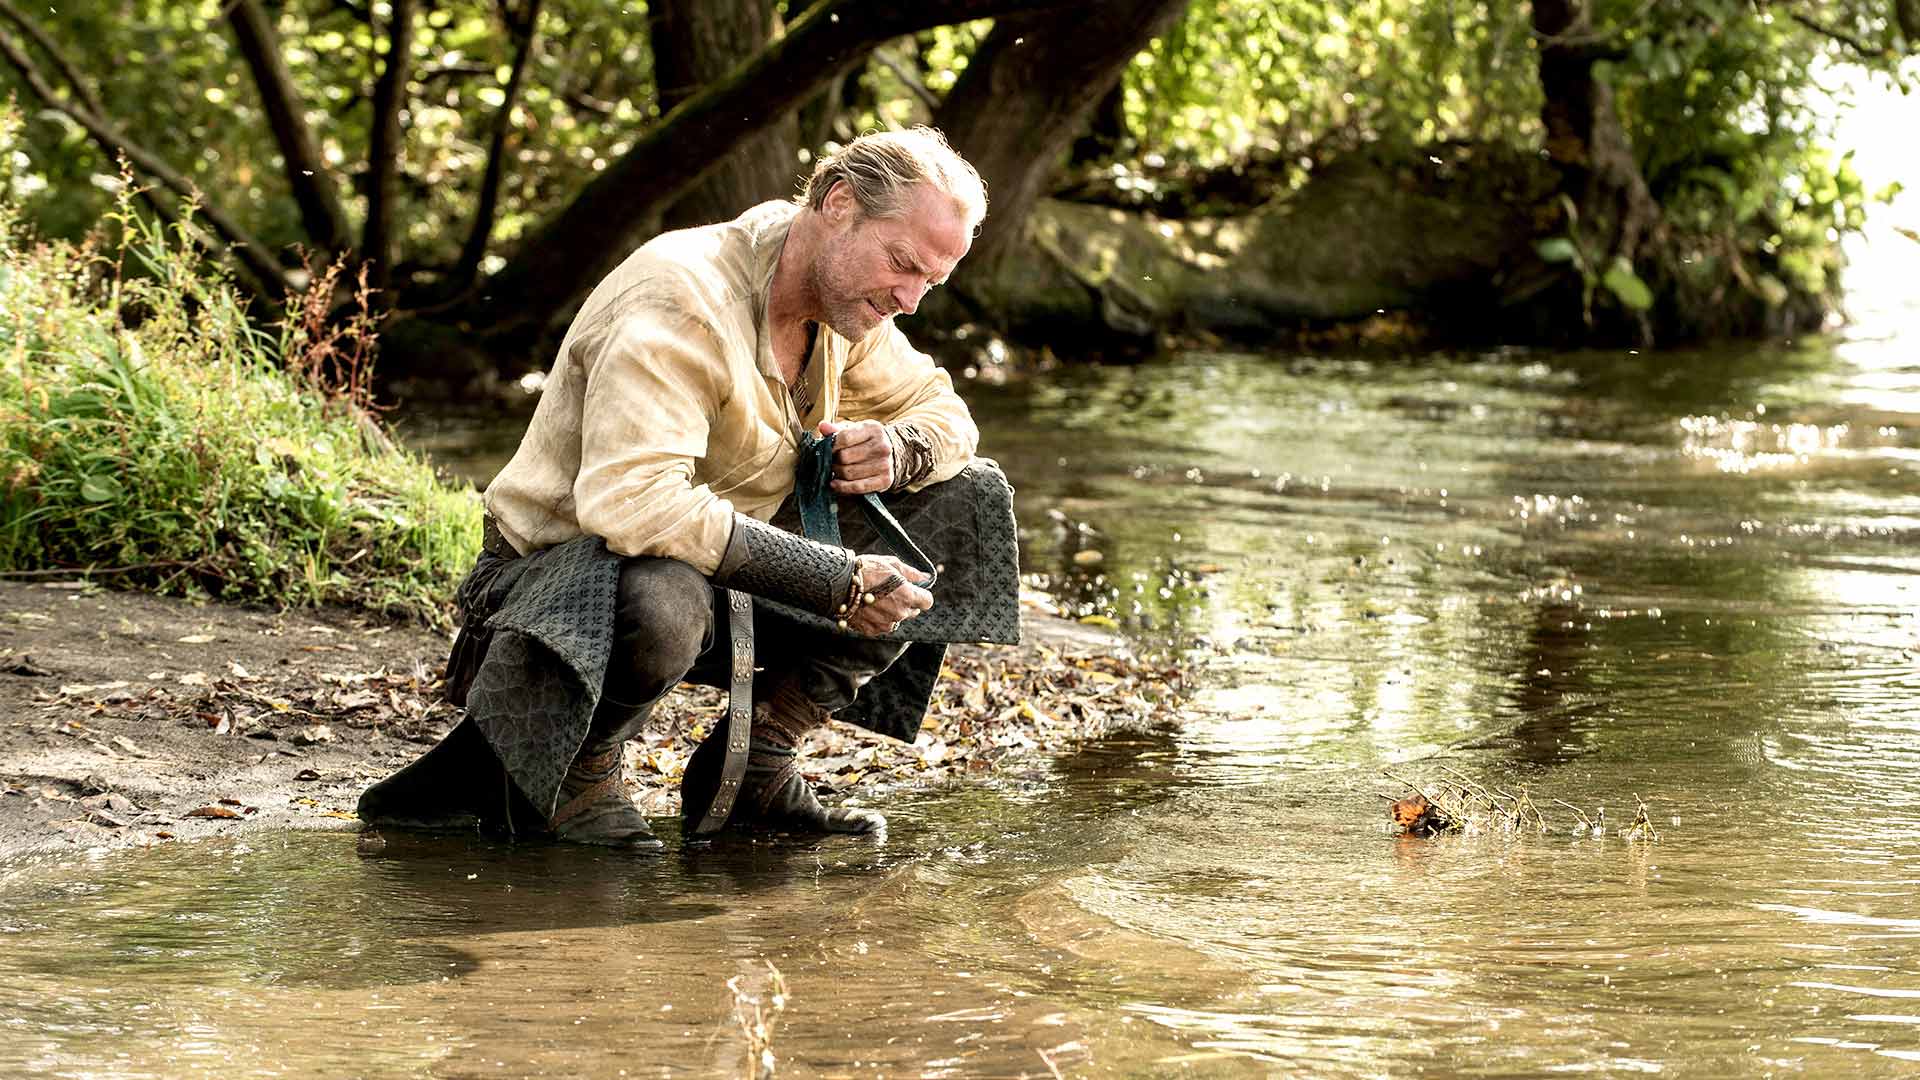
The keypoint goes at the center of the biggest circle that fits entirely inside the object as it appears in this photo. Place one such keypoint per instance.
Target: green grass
(154, 436)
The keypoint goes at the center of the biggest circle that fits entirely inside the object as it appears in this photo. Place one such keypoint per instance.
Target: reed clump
(154, 435)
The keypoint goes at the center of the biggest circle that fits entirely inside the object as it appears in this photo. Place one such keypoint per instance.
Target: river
(1680, 580)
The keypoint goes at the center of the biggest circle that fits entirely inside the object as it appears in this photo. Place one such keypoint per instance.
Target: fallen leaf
(196, 639)
(313, 735)
(193, 678)
(214, 812)
(127, 744)
(1088, 557)
(113, 801)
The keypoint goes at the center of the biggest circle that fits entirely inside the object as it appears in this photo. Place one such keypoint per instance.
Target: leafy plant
(149, 431)
(1616, 276)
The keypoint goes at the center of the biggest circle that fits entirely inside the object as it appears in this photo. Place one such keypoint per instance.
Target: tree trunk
(560, 261)
(307, 171)
(383, 153)
(1585, 141)
(1028, 91)
(1107, 132)
(525, 28)
(695, 43)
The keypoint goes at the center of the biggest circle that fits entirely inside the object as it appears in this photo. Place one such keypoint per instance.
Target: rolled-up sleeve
(888, 380)
(649, 404)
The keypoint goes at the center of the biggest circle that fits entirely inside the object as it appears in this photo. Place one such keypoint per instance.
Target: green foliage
(181, 453)
(1718, 98)
(169, 73)
(1237, 77)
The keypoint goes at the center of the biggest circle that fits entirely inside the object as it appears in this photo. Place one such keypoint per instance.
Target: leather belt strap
(493, 542)
(739, 719)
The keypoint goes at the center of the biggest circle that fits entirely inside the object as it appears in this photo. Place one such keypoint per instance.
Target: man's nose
(906, 298)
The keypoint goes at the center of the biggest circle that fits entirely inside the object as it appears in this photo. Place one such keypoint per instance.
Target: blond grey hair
(881, 168)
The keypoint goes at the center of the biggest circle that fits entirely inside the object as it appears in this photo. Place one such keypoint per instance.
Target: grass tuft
(149, 430)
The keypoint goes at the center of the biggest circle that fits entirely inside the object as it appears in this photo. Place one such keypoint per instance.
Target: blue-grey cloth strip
(820, 509)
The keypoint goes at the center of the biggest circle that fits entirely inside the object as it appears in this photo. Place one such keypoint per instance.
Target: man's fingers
(860, 487)
(862, 457)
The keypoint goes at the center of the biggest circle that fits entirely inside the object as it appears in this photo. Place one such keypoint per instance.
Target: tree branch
(468, 266)
(83, 91)
(1860, 48)
(435, 72)
(561, 260)
(68, 71)
(910, 79)
(306, 168)
(251, 254)
(383, 151)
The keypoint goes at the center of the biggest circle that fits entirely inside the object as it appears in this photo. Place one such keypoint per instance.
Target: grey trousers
(669, 628)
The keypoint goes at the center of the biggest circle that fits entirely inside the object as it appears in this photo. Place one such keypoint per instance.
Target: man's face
(870, 269)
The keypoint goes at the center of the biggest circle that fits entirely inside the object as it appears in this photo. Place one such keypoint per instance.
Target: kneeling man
(631, 544)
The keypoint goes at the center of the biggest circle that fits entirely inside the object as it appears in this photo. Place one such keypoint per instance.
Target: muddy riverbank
(128, 719)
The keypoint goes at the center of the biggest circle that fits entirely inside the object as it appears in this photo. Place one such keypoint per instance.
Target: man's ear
(840, 205)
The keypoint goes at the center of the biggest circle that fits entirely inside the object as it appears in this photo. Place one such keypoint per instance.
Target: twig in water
(1642, 826)
(756, 1020)
(1584, 819)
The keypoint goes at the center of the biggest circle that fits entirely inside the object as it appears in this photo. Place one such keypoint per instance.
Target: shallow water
(1685, 578)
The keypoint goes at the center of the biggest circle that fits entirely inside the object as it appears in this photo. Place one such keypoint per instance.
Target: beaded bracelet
(857, 598)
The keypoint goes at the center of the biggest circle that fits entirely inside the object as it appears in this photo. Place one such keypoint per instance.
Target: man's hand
(862, 456)
(896, 595)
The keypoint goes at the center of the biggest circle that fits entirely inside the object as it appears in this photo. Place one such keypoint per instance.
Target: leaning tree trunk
(697, 42)
(1585, 141)
(559, 262)
(1029, 90)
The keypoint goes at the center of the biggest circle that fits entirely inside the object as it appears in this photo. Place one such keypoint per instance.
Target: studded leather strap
(739, 719)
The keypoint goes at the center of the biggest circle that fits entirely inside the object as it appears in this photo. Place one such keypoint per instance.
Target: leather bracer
(778, 565)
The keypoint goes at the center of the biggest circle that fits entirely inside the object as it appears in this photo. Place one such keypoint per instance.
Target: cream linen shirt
(665, 411)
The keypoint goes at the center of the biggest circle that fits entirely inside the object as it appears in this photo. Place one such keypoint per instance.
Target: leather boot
(773, 796)
(594, 807)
